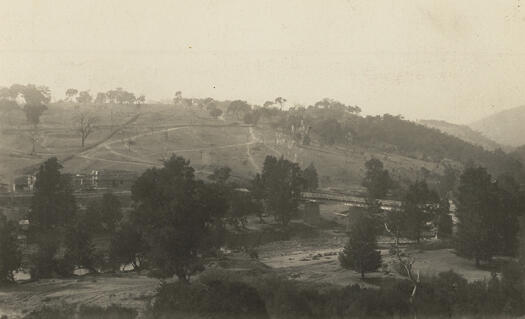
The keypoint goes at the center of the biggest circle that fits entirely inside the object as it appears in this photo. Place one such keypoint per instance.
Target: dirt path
(103, 141)
(135, 160)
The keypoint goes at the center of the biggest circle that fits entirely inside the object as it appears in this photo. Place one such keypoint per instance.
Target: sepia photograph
(302, 159)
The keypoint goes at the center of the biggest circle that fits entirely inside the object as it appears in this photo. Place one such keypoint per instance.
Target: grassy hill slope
(134, 139)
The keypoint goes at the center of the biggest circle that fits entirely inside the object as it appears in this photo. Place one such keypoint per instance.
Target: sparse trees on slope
(360, 253)
(10, 254)
(330, 132)
(177, 216)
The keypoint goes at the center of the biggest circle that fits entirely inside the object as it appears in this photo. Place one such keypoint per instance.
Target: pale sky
(442, 59)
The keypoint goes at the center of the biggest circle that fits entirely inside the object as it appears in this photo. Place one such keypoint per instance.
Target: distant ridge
(462, 132)
(505, 127)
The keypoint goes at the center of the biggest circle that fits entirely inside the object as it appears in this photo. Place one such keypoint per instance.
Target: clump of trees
(238, 109)
(278, 188)
(377, 179)
(487, 212)
(281, 182)
(178, 217)
(53, 210)
(61, 234)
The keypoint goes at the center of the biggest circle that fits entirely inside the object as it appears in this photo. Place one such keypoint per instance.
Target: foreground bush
(232, 295)
(223, 299)
(111, 312)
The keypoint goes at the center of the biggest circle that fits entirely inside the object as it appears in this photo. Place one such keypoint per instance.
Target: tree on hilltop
(34, 100)
(70, 94)
(84, 97)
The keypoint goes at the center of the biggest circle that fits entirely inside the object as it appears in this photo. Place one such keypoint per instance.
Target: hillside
(133, 139)
(462, 132)
(504, 127)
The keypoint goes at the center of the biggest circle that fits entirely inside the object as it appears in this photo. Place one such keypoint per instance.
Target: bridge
(350, 200)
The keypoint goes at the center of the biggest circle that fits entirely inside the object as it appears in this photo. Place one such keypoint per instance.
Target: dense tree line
(333, 122)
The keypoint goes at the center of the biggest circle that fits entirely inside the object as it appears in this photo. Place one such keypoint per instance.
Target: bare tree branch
(86, 126)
